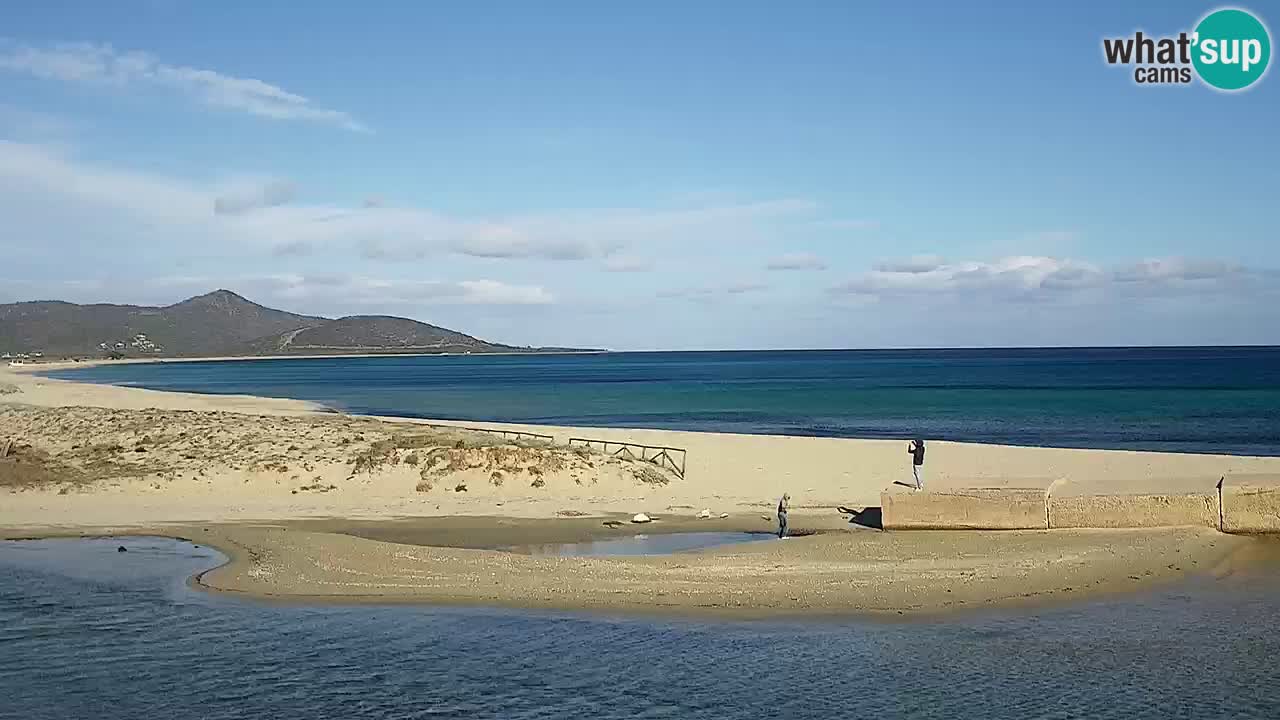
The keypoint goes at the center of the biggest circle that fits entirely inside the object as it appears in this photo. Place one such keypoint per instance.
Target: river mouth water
(93, 632)
(645, 544)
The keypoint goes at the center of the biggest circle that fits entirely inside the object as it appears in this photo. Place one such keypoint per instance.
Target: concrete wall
(1251, 504)
(1248, 503)
(1133, 511)
(968, 509)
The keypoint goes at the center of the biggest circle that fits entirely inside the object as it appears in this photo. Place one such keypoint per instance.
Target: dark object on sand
(784, 505)
(122, 549)
(870, 517)
(612, 523)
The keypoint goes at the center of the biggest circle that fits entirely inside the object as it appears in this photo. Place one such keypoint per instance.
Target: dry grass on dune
(25, 466)
(84, 445)
(441, 457)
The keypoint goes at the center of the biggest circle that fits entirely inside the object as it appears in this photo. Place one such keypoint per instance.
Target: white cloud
(797, 261)
(256, 196)
(365, 290)
(21, 122)
(103, 65)
(322, 289)
(218, 213)
(1033, 277)
(711, 292)
(847, 224)
(515, 240)
(914, 264)
(932, 276)
(491, 292)
(52, 173)
(1176, 270)
(627, 264)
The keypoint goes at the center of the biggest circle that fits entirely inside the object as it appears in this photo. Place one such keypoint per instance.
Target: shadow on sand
(866, 517)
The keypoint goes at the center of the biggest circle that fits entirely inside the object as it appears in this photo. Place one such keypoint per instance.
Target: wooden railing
(515, 434)
(672, 458)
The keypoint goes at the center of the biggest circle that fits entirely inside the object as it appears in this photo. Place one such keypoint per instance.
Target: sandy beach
(316, 504)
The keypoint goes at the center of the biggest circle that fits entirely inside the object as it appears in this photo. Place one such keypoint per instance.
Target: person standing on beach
(916, 448)
(783, 505)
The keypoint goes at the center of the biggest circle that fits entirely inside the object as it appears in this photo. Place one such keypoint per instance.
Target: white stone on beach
(706, 513)
(641, 518)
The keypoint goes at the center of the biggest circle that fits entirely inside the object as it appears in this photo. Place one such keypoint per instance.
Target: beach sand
(115, 459)
(826, 573)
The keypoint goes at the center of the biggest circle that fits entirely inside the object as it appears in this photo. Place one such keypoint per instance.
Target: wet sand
(831, 572)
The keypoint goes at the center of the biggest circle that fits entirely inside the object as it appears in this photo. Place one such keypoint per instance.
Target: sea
(90, 632)
(1199, 399)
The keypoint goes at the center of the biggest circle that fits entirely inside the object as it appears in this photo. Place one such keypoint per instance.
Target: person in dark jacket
(916, 448)
(783, 506)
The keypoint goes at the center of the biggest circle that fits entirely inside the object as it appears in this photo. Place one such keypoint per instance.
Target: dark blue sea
(86, 632)
(1222, 400)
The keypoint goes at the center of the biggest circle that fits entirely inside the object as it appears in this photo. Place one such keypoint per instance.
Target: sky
(658, 175)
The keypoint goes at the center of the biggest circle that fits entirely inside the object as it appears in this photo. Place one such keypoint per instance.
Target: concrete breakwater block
(1134, 511)
(1251, 504)
(965, 509)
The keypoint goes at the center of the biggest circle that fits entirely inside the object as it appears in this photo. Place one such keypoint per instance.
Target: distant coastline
(38, 366)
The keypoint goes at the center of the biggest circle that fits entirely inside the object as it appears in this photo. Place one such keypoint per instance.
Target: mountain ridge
(217, 323)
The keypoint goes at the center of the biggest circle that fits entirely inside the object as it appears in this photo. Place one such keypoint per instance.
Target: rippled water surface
(642, 544)
(1221, 400)
(86, 632)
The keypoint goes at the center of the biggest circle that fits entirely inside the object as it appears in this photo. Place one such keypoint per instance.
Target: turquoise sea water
(1224, 400)
(86, 632)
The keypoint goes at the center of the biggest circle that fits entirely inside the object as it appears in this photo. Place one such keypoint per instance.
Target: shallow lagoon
(644, 544)
(91, 632)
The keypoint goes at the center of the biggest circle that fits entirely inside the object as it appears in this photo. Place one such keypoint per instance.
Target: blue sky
(663, 175)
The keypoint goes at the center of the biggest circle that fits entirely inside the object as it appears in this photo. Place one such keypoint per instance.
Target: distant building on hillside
(142, 344)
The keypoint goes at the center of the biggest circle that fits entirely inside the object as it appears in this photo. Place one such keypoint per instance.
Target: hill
(373, 333)
(215, 324)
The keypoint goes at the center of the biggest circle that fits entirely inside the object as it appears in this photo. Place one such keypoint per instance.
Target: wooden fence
(671, 458)
(514, 434)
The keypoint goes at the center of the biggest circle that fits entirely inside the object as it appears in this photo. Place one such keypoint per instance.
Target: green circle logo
(1232, 49)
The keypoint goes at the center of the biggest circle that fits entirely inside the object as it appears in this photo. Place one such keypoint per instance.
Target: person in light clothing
(916, 449)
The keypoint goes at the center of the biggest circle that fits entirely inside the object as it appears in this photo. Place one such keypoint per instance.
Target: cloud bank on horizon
(131, 176)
